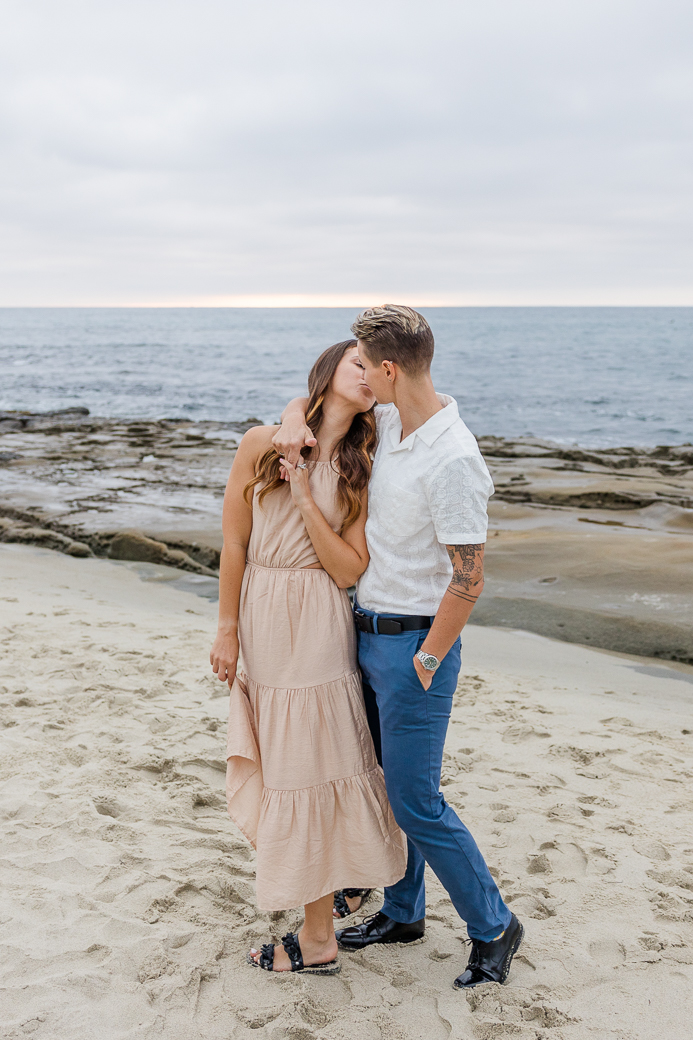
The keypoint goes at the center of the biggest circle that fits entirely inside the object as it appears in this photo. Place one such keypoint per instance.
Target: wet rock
(131, 545)
(62, 418)
(42, 536)
(199, 552)
(79, 549)
(22, 416)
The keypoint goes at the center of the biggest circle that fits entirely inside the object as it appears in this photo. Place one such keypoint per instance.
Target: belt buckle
(363, 621)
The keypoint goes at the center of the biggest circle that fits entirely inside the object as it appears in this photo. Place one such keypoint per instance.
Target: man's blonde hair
(395, 333)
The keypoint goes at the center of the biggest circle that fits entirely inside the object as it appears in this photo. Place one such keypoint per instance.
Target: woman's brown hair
(352, 456)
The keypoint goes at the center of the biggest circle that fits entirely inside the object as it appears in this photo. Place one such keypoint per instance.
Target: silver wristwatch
(430, 663)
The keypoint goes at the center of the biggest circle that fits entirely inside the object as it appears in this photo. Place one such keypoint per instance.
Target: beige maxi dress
(302, 779)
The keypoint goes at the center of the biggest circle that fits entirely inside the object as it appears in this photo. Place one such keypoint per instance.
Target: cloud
(512, 151)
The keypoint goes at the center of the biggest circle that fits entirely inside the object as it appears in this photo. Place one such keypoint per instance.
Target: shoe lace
(474, 952)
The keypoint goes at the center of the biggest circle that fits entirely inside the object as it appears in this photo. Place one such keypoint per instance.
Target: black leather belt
(390, 626)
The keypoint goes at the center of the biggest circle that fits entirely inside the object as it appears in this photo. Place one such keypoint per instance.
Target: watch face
(429, 662)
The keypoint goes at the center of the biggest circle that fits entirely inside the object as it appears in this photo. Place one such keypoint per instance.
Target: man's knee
(416, 812)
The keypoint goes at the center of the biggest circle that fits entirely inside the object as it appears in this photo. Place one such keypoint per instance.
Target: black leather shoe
(490, 961)
(379, 928)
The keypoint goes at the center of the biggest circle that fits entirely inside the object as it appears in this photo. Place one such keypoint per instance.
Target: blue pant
(409, 725)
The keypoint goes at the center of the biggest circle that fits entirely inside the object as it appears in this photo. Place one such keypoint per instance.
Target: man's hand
(293, 434)
(425, 677)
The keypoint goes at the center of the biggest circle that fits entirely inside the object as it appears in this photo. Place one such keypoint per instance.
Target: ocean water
(595, 376)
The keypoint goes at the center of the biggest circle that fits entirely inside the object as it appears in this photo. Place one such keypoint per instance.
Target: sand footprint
(673, 901)
(454, 763)
(653, 850)
(106, 805)
(566, 859)
(498, 1012)
(257, 1018)
(534, 906)
(521, 734)
(607, 953)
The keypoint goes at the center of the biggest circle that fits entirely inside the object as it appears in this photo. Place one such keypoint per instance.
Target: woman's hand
(223, 657)
(298, 481)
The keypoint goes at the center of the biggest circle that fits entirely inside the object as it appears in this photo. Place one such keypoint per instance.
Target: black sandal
(291, 945)
(340, 900)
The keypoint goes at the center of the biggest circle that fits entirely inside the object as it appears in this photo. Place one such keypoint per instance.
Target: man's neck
(416, 401)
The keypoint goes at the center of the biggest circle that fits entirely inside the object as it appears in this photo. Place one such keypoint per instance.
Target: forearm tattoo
(467, 571)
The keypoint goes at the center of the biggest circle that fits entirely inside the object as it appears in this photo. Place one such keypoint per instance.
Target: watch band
(423, 656)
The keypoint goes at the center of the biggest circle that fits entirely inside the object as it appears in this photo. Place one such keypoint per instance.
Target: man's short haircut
(396, 333)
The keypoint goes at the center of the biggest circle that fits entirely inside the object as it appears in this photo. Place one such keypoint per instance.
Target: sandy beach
(128, 899)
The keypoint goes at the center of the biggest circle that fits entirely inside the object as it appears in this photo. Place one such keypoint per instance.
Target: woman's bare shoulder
(257, 440)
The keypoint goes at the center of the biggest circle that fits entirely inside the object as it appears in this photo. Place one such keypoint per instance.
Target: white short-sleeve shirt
(426, 491)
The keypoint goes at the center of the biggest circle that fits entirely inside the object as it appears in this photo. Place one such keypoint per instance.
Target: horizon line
(332, 301)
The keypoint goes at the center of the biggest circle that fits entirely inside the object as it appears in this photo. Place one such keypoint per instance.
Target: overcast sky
(488, 152)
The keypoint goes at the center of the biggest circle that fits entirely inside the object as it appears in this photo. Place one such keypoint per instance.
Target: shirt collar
(431, 429)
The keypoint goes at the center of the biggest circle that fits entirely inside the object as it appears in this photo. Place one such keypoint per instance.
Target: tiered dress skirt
(303, 783)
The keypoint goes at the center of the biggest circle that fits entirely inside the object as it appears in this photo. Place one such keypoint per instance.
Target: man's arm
(456, 605)
(293, 434)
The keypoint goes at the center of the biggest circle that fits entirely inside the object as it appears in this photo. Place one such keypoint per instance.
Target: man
(426, 531)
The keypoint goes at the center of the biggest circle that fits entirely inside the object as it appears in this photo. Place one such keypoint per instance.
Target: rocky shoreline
(589, 546)
(89, 486)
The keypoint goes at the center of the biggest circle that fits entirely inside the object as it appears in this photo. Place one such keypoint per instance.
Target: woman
(302, 781)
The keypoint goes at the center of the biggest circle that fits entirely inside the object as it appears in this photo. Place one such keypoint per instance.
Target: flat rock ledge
(593, 546)
(119, 545)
